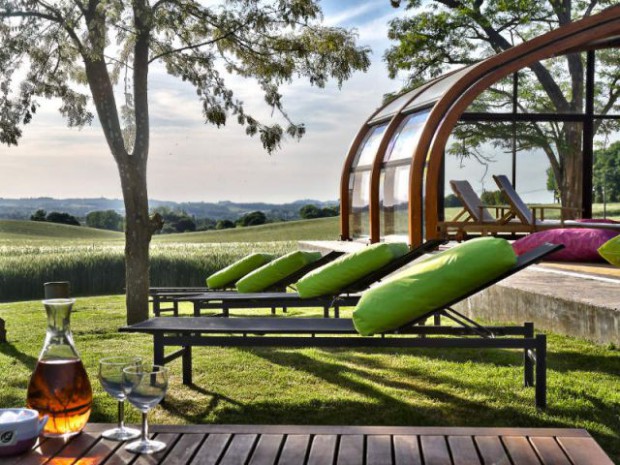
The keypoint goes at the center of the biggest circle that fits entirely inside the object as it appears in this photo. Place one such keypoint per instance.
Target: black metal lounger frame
(346, 297)
(295, 332)
(160, 295)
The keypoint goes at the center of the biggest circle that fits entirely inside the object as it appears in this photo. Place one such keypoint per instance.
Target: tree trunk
(571, 184)
(138, 232)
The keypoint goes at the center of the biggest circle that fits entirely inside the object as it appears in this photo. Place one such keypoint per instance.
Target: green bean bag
(610, 251)
(229, 275)
(431, 284)
(276, 270)
(332, 277)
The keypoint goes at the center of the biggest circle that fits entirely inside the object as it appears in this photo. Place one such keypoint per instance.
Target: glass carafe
(59, 386)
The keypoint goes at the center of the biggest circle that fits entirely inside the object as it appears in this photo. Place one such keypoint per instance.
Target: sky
(191, 161)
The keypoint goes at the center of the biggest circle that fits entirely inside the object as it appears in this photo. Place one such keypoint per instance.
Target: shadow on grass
(444, 408)
(8, 349)
(179, 406)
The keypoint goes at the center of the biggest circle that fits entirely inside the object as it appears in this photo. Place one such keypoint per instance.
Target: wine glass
(111, 378)
(145, 387)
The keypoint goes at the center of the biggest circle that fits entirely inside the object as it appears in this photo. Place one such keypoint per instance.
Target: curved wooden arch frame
(447, 110)
(345, 178)
(375, 173)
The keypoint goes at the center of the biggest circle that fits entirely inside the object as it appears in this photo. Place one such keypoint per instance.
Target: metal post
(541, 371)
(588, 137)
(158, 349)
(515, 93)
(186, 362)
(528, 365)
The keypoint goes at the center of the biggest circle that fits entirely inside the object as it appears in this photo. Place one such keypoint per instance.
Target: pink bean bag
(580, 244)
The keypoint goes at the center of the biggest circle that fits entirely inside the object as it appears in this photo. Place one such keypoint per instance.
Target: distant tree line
(310, 211)
(55, 217)
(178, 220)
(106, 219)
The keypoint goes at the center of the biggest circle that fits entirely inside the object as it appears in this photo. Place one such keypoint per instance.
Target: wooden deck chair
(347, 296)
(320, 332)
(475, 216)
(533, 219)
(163, 295)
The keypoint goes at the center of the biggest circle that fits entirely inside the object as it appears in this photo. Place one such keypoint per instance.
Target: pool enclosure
(394, 176)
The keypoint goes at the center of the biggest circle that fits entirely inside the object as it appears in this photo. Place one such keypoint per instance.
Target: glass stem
(121, 415)
(145, 427)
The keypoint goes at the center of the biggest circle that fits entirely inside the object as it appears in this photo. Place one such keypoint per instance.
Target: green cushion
(230, 274)
(431, 284)
(330, 278)
(263, 277)
(610, 251)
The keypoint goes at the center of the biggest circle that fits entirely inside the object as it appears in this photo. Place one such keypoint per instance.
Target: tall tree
(445, 33)
(77, 49)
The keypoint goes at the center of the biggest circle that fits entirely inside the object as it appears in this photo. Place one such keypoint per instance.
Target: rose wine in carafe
(59, 386)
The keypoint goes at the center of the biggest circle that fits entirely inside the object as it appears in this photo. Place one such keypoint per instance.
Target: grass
(32, 253)
(335, 386)
(12, 231)
(318, 229)
(97, 269)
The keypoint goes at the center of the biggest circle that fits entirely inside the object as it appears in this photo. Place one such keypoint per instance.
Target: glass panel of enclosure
(496, 99)
(360, 201)
(394, 201)
(536, 148)
(368, 148)
(394, 105)
(534, 97)
(436, 90)
(478, 150)
(606, 172)
(605, 73)
(406, 137)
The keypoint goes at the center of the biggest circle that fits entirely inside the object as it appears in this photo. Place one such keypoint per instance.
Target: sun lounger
(319, 332)
(163, 295)
(533, 219)
(344, 297)
(475, 216)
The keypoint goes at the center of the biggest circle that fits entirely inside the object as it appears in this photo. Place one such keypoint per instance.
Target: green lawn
(17, 232)
(311, 386)
(331, 386)
(318, 229)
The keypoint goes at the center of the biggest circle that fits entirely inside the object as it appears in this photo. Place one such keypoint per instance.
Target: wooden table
(339, 445)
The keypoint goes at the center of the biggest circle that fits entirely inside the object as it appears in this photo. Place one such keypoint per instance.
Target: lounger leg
(225, 312)
(437, 319)
(156, 305)
(175, 308)
(337, 311)
(528, 364)
(541, 371)
(273, 310)
(196, 308)
(187, 365)
(158, 349)
(326, 312)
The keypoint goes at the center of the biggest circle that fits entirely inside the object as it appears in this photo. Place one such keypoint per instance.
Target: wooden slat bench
(337, 445)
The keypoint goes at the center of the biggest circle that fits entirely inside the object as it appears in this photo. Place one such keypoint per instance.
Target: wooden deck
(338, 445)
